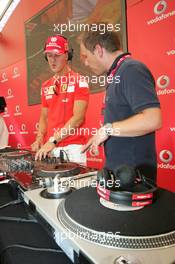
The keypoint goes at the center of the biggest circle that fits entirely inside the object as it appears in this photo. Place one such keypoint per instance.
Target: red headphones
(125, 187)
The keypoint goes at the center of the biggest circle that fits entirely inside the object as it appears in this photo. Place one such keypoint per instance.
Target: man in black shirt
(132, 110)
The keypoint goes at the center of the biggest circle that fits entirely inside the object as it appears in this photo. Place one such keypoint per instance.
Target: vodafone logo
(37, 126)
(11, 130)
(160, 7)
(166, 156)
(23, 127)
(160, 14)
(17, 108)
(19, 145)
(4, 77)
(9, 93)
(15, 72)
(93, 152)
(163, 81)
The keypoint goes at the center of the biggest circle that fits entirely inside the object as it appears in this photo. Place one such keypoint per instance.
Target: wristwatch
(108, 129)
(53, 140)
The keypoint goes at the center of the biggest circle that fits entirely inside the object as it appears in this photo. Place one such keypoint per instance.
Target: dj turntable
(82, 226)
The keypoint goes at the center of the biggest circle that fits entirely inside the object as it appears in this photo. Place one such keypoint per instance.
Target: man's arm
(140, 124)
(42, 129)
(143, 123)
(79, 111)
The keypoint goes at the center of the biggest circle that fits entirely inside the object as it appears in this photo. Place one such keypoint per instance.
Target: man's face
(92, 60)
(57, 62)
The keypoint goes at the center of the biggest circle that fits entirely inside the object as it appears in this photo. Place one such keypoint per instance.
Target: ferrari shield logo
(63, 88)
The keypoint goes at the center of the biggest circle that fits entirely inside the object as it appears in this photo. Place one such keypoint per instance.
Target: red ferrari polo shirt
(59, 95)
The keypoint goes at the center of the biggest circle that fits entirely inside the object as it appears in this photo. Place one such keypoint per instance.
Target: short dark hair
(109, 39)
(2, 104)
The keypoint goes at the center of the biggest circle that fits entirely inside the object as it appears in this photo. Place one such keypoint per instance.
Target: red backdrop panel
(151, 40)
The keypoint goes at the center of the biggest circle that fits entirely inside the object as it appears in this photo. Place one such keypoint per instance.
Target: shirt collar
(114, 64)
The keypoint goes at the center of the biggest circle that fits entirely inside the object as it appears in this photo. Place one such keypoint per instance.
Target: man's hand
(36, 145)
(95, 141)
(44, 150)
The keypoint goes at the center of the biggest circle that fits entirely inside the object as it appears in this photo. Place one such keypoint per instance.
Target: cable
(17, 219)
(11, 203)
(61, 154)
(30, 248)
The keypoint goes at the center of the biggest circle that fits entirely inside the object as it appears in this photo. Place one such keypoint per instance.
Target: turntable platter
(7, 149)
(82, 214)
(65, 169)
(12, 153)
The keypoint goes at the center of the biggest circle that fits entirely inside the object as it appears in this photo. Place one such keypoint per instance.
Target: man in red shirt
(64, 104)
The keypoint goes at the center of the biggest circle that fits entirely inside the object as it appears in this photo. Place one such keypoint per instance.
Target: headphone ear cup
(126, 176)
(70, 54)
(104, 178)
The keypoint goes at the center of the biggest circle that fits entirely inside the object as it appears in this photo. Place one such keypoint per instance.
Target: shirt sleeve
(82, 90)
(139, 87)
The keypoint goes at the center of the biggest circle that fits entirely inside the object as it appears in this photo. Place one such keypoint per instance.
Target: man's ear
(98, 50)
